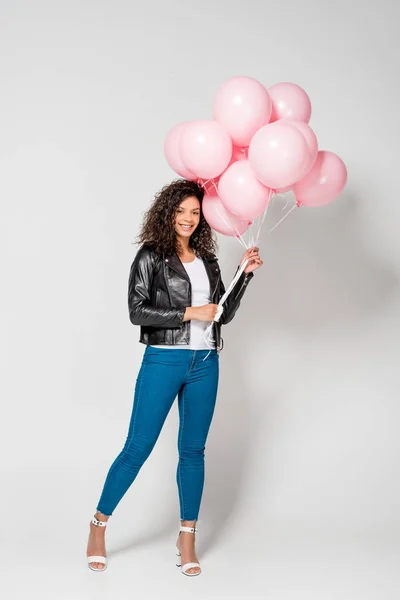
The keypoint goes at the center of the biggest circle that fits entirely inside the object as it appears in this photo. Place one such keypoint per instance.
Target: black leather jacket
(159, 290)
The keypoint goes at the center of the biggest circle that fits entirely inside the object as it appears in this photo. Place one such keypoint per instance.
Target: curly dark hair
(158, 227)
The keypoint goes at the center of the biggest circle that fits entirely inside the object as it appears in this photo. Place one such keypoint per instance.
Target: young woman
(173, 292)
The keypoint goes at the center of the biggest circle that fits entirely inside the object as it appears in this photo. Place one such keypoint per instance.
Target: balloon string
(215, 186)
(230, 226)
(208, 335)
(204, 183)
(230, 288)
(283, 218)
(270, 196)
(240, 239)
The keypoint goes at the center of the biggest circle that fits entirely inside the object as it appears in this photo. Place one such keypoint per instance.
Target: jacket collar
(175, 263)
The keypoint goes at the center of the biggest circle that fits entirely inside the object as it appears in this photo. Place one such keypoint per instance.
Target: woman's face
(187, 217)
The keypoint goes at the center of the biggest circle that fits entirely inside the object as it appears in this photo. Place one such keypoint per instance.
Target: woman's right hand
(206, 312)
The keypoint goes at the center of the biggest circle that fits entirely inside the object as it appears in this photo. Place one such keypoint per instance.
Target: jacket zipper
(216, 285)
(190, 296)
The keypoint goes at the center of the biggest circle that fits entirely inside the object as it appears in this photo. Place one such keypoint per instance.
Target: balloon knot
(298, 203)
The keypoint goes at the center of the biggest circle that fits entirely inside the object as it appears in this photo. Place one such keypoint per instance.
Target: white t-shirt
(200, 296)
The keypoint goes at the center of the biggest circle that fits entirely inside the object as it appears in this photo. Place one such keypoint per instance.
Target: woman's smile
(186, 227)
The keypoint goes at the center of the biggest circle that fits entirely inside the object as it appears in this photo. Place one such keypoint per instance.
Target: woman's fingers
(250, 253)
(251, 250)
(256, 260)
(253, 257)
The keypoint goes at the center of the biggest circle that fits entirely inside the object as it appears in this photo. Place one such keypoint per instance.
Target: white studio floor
(246, 558)
(283, 568)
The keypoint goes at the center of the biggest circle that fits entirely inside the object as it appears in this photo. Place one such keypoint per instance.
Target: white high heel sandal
(190, 565)
(98, 559)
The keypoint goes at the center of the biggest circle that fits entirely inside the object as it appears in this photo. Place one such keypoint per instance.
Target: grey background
(302, 488)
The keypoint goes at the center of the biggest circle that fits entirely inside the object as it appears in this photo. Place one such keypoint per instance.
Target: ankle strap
(188, 529)
(99, 523)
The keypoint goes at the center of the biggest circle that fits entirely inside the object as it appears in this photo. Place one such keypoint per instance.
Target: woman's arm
(232, 302)
(141, 311)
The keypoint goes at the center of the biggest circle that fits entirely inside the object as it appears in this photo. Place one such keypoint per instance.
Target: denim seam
(179, 449)
(192, 363)
(137, 408)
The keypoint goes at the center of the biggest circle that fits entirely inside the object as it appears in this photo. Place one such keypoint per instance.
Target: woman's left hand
(255, 261)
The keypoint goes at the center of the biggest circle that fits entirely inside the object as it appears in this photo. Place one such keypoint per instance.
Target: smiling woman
(173, 293)
(176, 205)
(187, 218)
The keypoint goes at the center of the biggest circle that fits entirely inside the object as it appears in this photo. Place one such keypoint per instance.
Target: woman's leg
(196, 403)
(159, 380)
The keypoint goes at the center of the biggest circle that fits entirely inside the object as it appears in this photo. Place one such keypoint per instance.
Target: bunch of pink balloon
(258, 143)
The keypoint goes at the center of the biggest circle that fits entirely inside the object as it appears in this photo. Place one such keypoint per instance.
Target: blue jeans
(165, 374)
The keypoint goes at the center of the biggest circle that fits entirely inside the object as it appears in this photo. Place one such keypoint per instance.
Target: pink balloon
(205, 148)
(312, 144)
(323, 183)
(241, 193)
(289, 101)
(219, 218)
(242, 105)
(311, 140)
(278, 154)
(237, 154)
(171, 151)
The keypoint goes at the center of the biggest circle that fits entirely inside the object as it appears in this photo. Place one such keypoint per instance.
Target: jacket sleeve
(141, 311)
(232, 302)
